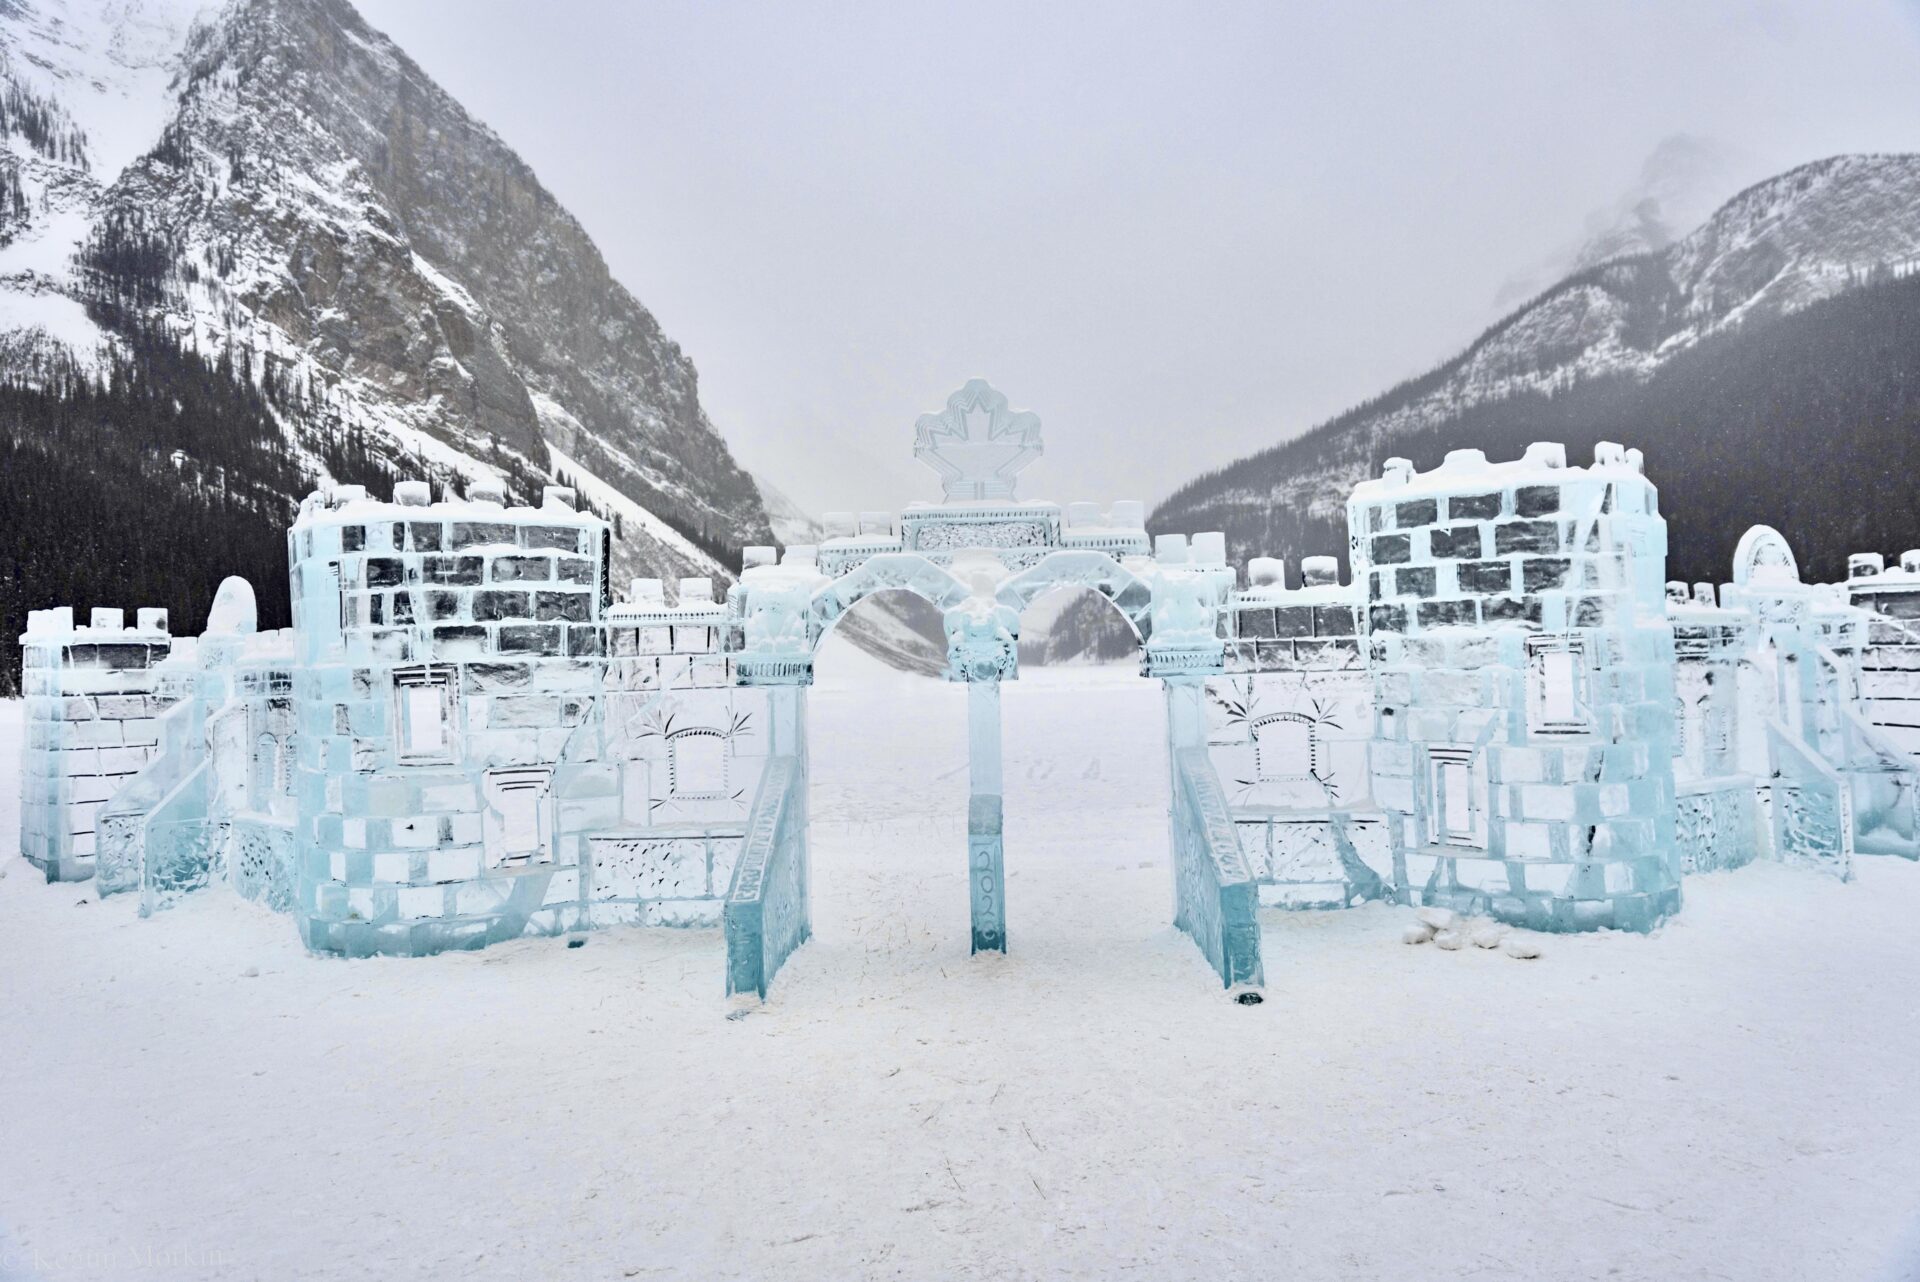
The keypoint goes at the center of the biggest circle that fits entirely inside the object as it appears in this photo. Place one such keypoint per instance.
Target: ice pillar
(984, 841)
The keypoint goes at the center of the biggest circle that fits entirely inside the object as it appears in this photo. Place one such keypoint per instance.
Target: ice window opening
(1458, 786)
(1557, 685)
(516, 817)
(1718, 730)
(1283, 748)
(267, 772)
(698, 763)
(423, 714)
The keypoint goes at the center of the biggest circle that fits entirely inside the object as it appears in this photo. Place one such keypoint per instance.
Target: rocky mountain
(1620, 348)
(280, 193)
(1681, 182)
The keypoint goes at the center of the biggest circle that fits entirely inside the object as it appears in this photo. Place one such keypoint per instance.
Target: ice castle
(466, 738)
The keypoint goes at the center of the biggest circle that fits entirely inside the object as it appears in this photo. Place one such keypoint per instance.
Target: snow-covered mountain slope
(1774, 249)
(276, 180)
(792, 524)
(1679, 186)
(84, 90)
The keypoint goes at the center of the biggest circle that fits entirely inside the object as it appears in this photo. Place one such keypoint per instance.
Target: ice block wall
(1717, 817)
(1522, 686)
(1288, 724)
(450, 657)
(1890, 663)
(91, 709)
(688, 750)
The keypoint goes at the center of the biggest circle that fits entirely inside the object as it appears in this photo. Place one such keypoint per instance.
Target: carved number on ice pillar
(984, 865)
(986, 886)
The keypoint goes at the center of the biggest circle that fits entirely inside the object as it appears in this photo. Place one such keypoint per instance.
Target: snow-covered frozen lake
(1734, 1097)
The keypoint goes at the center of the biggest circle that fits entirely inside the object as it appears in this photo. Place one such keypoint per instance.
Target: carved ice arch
(1098, 572)
(1764, 557)
(906, 571)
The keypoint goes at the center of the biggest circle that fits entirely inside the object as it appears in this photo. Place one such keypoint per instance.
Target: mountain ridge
(316, 210)
(1773, 249)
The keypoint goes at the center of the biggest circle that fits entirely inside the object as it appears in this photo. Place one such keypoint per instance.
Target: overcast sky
(1177, 234)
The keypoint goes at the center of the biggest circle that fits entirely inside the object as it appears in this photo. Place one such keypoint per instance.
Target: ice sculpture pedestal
(985, 842)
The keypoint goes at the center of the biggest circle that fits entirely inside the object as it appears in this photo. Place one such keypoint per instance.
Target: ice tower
(1523, 686)
(91, 709)
(449, 654)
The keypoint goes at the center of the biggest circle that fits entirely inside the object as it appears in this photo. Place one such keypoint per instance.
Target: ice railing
(124, 820)
(1812, 806)
(766, 911)
(1883, 783)
(184, 847)
(1215, 898)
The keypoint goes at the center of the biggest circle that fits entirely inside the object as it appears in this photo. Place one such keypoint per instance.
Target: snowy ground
(1734, 1097)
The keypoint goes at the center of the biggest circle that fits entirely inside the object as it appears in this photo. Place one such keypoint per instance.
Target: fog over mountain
(1177, 233)
(1682, 181)
(1767, 363)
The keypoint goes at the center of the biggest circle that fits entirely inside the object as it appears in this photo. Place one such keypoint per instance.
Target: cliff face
(306, 203)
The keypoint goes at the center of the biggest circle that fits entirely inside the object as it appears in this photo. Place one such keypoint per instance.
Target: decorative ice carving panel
(977, 444)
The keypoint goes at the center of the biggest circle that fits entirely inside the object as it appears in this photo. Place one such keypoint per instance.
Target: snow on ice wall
(1523, 690)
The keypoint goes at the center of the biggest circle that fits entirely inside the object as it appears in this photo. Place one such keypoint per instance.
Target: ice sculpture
(1835, 785)
(451, 662)
(977, 444)
(1287, 727)
(981, 557)
(210, 799)
(464, 738)
(1522, 685)
(91, 711)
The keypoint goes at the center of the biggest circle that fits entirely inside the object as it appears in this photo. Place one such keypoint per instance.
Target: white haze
(1178, 235)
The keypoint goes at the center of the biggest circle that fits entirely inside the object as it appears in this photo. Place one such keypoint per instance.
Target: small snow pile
(1450, 932)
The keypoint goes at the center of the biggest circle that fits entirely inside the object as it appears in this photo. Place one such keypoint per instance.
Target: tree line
(1808, 422)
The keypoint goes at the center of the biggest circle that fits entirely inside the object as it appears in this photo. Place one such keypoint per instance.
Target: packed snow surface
(193, 1096)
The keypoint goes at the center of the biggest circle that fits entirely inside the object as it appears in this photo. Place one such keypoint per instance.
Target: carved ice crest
(977, 444)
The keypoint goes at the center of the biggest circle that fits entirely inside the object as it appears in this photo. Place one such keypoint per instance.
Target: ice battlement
(1461, 471)
(1890, 590)
(485, 499)
(413, 580)
(103, 626)
(1871, 565)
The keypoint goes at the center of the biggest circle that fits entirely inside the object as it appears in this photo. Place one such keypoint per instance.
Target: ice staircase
(168, 791)
(1841, 786)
